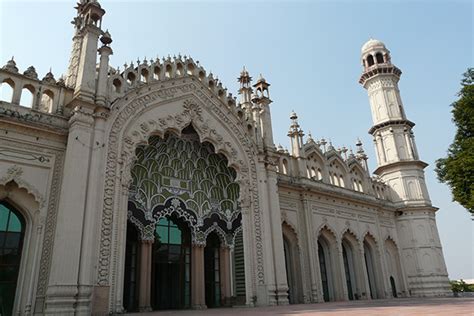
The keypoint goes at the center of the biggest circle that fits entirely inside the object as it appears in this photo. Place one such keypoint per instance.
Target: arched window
(190, 68)
(27, 96)
(144, 75)
(156, 73)
(379, 58)
(319, 174)
(179, 69)
(285, 166)
(341, 181)
(131, 78)
(168, 71)
(6, 90)
(117, 85)
(370, 60)
(12, 231)
(47, 101)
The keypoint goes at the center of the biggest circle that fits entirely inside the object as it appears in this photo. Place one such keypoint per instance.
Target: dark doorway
(130, 291)
(324, 275)
(171, 265)
(394, 288)
(347, 273)
(289, 270)
(212, 271)
(12, 232)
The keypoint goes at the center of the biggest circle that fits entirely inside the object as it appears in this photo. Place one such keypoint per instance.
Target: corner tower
(81, 73)
(399, 166)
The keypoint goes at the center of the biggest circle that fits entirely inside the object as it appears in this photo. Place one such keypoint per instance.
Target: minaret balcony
(378, 69)
(390, 122)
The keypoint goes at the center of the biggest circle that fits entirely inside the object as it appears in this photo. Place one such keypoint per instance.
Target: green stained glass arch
(183, 168)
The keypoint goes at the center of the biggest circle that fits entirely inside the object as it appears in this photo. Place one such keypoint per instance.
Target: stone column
(34, 265)
(311, 248)
(101, 93)
(365, 277)
(90, 295)
(225, 276)
(198, 287)
(62, 292)
(145, 276)
(277, 237)
(16, 96)
(342, 273)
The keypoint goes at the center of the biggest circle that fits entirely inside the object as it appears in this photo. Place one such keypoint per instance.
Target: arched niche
(353, 267)
(373, 267)
(329, 265)
(25, 206)
(292, 264)
(394, 269)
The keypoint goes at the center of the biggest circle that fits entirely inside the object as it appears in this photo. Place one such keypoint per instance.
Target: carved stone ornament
(14, 173)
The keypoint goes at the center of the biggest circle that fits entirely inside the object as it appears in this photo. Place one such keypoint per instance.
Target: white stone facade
(315, 225)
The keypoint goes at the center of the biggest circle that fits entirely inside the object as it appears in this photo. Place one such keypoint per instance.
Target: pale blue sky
(310, 53)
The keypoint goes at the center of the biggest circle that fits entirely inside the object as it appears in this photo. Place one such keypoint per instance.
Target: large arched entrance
(183, 207)
(12, 232)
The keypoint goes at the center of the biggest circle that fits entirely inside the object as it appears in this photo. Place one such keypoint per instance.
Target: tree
(457, 169)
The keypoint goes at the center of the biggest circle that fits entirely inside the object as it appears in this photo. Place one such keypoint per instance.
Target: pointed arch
(394, 268)
(353, 266)
(25, 205)
(157, 107)
(357, 175)
(292, 263)
(316, 163)
(329, 265)
(373, 266)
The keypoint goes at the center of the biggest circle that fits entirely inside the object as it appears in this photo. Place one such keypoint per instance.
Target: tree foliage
(457, 169)
(461, 286)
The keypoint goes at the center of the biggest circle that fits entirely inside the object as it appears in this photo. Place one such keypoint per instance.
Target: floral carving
(14, 173)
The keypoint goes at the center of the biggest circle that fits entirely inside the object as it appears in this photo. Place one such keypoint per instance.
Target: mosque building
(151, 187)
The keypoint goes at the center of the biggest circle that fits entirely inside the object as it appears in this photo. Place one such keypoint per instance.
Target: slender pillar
(62, 293)
(311, 247)
(105, 51)
(198, 288)
(16, 94)
(225, 275)
(342, 272)
(145, 276)
(365, 276)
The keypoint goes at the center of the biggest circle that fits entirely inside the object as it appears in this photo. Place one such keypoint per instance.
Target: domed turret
(374, 52)
(376, 60)
(372, 44)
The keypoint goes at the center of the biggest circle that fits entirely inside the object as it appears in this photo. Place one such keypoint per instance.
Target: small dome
(293, 115)
(372, 43)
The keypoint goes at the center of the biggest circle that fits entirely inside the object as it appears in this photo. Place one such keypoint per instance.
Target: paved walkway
(396, 307)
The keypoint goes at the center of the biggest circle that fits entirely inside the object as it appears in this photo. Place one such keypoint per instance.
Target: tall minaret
(399, 166)
(261, 99)
(245, 90)
(82, 65)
